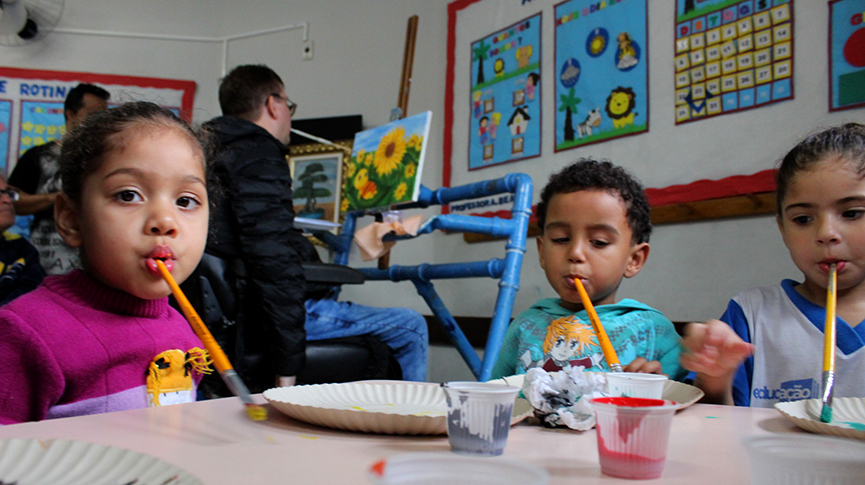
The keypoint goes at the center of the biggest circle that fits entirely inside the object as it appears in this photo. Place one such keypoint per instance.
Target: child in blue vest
(821, 215)
(595, 225)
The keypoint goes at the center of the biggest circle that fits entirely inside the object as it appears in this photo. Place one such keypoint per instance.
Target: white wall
(358, 46)
(693, 269)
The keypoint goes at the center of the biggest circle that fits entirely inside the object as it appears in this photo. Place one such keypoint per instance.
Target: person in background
(20, 270)
(595, 225)
(105, 338)
(37, 180)
(768, 346)
(253, 225)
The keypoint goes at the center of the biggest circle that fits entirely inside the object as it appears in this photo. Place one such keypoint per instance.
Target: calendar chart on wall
(731, 56)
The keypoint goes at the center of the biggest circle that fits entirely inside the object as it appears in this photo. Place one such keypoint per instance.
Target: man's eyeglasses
(12, 193)
(292, 106)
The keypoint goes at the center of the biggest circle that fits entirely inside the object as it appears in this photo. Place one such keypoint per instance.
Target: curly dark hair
(846, 141)
(75, 99)
(85, 148)
(590, 174)
(244, 90)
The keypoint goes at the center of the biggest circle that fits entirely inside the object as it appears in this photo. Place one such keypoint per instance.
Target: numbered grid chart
(736, 56)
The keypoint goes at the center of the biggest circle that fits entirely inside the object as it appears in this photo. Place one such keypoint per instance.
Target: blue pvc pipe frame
(506, 270)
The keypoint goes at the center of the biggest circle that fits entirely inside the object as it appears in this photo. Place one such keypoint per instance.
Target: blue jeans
(401, 329)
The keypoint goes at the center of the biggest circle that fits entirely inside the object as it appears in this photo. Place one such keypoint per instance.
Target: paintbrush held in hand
(220, 360)
(829, 345)
(604, 341)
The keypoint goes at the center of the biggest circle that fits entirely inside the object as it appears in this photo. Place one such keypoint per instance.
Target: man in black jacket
(253, 223)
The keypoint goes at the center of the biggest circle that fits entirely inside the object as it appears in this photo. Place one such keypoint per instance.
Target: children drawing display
(505, 88)
(601, 83)
(846, 54)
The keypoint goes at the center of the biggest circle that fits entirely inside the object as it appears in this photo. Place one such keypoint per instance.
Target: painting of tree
(312, 174)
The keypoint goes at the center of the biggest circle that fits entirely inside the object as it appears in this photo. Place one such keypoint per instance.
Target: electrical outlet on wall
(307, 50)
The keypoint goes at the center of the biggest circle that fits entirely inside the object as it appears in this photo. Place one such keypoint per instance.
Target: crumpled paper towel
(369, 240)
(562, 398)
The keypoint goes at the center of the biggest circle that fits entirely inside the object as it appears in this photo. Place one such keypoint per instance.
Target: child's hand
(645, 366)
(714, 352)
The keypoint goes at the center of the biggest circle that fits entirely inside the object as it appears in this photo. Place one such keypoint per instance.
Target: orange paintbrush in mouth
(604, 341)
(220, 360)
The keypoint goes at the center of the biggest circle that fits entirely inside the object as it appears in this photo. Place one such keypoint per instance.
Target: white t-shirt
(787, 332)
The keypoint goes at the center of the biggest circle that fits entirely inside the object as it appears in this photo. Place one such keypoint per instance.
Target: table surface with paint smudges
(218, 443)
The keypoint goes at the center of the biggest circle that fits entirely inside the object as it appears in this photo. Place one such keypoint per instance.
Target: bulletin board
(506, 90)
(602, 84)
(731, 55)
(31, 103)
(846, 54)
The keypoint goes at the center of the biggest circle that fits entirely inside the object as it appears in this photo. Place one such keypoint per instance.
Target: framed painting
(316, 177)
(386, 163)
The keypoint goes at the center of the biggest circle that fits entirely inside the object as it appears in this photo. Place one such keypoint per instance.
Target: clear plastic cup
(636, 384)
(479, 416)
(792, 459)
(632, 435)
(438, 468)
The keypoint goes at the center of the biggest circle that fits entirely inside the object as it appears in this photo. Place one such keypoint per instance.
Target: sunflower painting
(386, 163)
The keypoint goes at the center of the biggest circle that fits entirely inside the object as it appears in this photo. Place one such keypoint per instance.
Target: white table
(218, 443)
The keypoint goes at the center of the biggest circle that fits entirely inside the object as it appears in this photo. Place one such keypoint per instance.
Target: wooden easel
(402, 102)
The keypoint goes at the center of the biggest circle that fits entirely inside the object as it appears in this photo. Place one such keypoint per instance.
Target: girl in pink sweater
(104, 338)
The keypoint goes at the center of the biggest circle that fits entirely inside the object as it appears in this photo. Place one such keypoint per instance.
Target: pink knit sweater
(74, 346)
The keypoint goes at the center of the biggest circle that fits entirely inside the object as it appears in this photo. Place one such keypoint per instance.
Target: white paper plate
(848, 416)
(389, 407)
(32, 461)
(438, 468)
(683, 394)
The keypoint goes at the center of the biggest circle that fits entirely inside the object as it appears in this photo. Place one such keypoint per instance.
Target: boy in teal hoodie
(595, 226)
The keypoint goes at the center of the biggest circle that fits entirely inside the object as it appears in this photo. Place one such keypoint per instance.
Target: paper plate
(388, 407)
(437, 468)
(683, 394)
(848, 416)
(31, 461)
(798, 458)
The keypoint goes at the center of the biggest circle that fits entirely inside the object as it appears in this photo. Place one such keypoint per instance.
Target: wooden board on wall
(704, 210)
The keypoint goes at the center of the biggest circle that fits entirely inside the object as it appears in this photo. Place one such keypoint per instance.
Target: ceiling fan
(26, 21)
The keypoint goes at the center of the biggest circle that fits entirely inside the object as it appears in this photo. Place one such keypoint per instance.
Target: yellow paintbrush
(223, 365)
(604, 341)
(829, 346)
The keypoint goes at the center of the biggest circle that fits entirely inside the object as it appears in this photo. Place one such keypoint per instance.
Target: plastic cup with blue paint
(479, 416)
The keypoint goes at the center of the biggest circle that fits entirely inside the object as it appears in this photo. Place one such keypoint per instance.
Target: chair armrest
(335, 274)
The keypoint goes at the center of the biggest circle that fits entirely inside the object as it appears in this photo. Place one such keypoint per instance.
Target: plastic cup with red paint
(632, 435)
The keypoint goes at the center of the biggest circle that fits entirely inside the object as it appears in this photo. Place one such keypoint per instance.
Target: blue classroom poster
(601, 71)
(5, 122)
(847, 54)
(41, 122)
(505, 96)
(731, 55)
